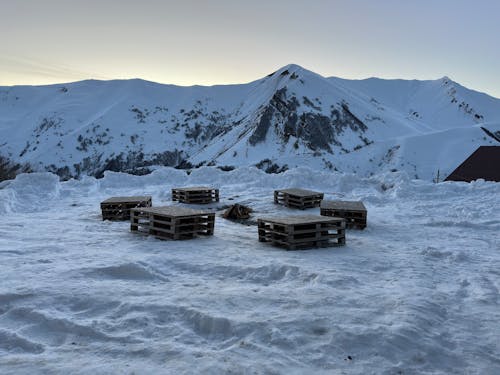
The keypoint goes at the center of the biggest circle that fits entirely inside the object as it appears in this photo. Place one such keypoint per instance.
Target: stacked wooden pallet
(172, 222)
(306, 231)
(354, 212)
(298, 198)
(118, 208)
(195, 195)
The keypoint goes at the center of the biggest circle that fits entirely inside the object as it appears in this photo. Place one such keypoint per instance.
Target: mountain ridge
(291, 117)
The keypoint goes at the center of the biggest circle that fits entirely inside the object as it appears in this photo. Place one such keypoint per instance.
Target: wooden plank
(299, 192)
(134, 199)
(343, 205)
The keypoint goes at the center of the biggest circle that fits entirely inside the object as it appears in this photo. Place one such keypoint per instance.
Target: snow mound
(29, 192)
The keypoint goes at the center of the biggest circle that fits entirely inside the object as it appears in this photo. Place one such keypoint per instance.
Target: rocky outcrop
(287, 118)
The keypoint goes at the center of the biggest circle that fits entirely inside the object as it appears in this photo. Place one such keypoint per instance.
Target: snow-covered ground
(416, 292)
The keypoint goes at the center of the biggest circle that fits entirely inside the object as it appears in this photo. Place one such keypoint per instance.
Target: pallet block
(172, 222)
(298, 198)
(299, 232)
(354, 212)
(118, 208)
(195, 195)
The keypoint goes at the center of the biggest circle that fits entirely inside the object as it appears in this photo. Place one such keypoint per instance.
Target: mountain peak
(446, 80)
(290, 69)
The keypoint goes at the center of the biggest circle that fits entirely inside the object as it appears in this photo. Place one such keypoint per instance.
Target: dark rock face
(280, 108)
(260, 132)
(494, 135)
(137, 162)
(10, 169)
(134, 162)
(316, 130)
(342, 119)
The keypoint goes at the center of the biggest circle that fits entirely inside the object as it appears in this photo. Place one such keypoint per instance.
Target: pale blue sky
(230, 41)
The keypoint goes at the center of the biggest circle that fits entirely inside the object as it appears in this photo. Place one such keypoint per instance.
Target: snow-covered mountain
(292, 117)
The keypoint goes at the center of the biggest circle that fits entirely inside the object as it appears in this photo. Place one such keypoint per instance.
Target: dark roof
(483, 163)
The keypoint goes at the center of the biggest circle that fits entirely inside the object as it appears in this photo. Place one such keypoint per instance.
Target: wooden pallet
(195, 195)
(354, 212)
(298, 198)
(299, 232)
(172, 222)
(118, 208)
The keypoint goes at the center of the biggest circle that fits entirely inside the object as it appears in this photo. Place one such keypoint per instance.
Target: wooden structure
(195, 195)
(237, 212)
(172, 222)
(305, 231)
(483, 163)
(354, 212)
(118, 208)
(298, 198)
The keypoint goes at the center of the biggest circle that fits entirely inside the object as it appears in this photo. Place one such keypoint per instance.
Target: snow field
(416, 292)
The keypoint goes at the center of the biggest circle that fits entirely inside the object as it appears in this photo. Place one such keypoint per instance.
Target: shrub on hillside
(9, 170)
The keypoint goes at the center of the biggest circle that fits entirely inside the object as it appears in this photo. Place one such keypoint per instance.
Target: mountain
(292, 117)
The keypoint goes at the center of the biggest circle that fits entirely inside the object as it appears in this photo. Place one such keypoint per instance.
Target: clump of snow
(29, 192)
(417, 291)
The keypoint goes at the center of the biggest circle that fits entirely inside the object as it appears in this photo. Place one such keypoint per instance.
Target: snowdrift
(417, 291)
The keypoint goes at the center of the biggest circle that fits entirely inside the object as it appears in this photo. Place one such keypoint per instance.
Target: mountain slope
(291, 117)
